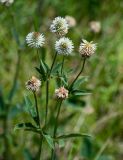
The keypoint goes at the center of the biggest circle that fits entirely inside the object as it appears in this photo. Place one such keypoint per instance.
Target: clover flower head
(61, 93)
(33, 84)
(64, 46)
(35, 39)
(95, 26)
(59, 26)
(86, 48)
(71, 21)
(7, 2)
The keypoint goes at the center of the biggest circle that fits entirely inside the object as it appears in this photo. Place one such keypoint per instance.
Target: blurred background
(100, 113)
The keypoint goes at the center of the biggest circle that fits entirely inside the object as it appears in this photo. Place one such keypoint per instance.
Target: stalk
(55, 128)
(47, 88)
(38, 119)
(83, 64)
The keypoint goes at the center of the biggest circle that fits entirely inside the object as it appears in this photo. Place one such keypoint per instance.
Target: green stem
(38, 119)
(47, 88)
(52, 65)
(55, 127)
(62, 65)
(78, 74)
(47, 100)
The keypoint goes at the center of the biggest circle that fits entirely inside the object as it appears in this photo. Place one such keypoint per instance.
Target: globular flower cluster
(71, 21)
(7, 2)
(64, 46)
(33, 84)
(86, 48)
(59, 26)
(61, 93)
(35, 39)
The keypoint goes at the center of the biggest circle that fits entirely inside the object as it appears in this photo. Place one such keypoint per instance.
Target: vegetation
(98, 114)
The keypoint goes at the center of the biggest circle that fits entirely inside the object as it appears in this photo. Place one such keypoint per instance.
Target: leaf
(79, 81)
(61, 143)
(30, 109)
(27, 154)
(81, 92)
(56, 68)
(25, 126)
(72, 135)
(1, 100)
(49, 140)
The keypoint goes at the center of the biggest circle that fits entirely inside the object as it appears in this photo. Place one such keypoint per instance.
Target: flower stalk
(83, 64)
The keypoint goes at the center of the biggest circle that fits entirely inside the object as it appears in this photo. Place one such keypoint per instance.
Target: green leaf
(80, 81)
(81, 92)
(49, 140)
(1, 100)
(43, 70)
(56, 68)
(73, 135)
(30, 109)
(61, 143)
(25, 126)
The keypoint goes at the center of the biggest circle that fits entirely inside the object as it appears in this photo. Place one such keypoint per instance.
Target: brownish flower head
(86, 48)
(61, 93)
(33, 84)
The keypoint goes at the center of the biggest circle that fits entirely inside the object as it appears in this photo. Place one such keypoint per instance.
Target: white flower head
(64, 46)
(71, 21)
(7, 2)
(61, 93)
(59, 26)
(95, 26)
(35, 39)
(86, 48)
(33, 84)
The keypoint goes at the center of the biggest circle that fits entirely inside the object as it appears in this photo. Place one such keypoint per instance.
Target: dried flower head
(71, 21)
(64, 46)
(35, 39)
(7, 2)
(33, 84)
(86, 48)
(61, 93)
(59, 26)
(95, 26)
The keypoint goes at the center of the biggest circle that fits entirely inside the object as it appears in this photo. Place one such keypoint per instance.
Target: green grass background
(105, 71)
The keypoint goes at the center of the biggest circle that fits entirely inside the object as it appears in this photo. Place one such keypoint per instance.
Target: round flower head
(7, 2)
(86, 48)
(35, 39)
(95, 26)
(71, 21)
(64, 46)
(59, 26)
(61, 93)
(33, 84)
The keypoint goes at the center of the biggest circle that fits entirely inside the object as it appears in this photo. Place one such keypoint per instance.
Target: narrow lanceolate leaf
(30, 109)
(79, 82)
(56, 68)
(49, 140)
(81, 92)
(26, 126)
(73, 135)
